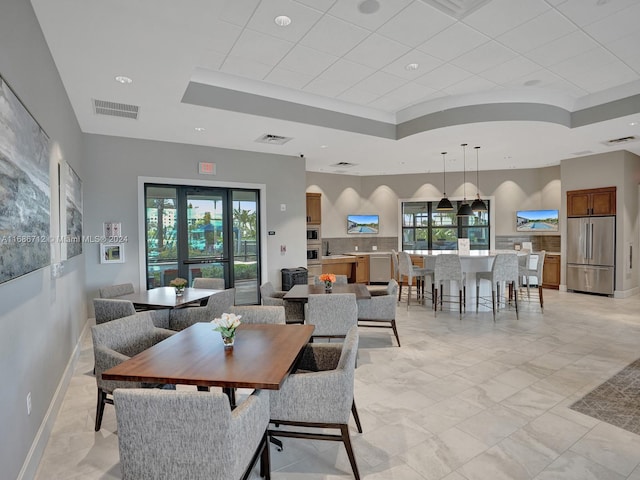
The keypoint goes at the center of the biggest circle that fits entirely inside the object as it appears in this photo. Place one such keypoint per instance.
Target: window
(424, 228)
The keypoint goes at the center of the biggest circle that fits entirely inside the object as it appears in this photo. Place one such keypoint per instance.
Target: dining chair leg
(478, 295)
(460, 296)
(435, 302)
(356, 417)
(493, 303)
(541, 298)
(516, 300)
(265, 459)
(102, 396)
(395, 330)
(344, 429)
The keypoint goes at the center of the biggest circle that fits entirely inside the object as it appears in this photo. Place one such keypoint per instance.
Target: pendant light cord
(464, 171)
(477, 173)
(444, 174)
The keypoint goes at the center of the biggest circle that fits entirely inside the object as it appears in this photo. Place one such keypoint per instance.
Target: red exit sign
(206, 168)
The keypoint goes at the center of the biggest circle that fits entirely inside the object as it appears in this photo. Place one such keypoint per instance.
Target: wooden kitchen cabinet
(551, 272)
(591, 202)
(314, 208)
(362, 269)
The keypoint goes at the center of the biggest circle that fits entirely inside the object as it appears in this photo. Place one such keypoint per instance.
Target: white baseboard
(626, 293)
(32, 461)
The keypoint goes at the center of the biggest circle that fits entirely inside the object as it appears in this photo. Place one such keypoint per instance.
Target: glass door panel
(161, 235)
(246, 246)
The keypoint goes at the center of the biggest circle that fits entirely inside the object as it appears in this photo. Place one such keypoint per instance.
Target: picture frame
(111, 253)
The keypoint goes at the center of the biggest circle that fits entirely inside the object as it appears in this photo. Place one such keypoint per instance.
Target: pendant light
(444, 205)
(478, 205)
(465, 208)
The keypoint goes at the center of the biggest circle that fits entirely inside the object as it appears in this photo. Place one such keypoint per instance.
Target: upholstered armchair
(217, 304)
(107, 309)
(116, 290)
(332, 315)
(320, 394)
(116, 341)
(191, 435)
(210, 283)
(259, 313)
(380, 310)
(293, 311)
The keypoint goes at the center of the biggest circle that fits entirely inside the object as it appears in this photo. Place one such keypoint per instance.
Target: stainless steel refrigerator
(591, 254)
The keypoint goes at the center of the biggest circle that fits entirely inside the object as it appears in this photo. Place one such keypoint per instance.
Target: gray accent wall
(114, 164)
(41, 317)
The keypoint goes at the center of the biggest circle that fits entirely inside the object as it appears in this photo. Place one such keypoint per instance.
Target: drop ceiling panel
(377, 51)
(245, 68)
(321, 5)
(258, 47)
(470, 85)
(346, 71)
(411, 92)
(380, 83)
(221, 36)
(586, 12)
(287, 78)
(236, 12)
(453, 42)
(616, 26)
(579, 65)
(500, 16)
(510, 70)
(348, 10)
(562, 49)
(327, 88)
(303, 18)
(536, 32)
(356, 95)
(611, 75)
(307, 60)
(334, 36)
(443, 77)
(627, 50)
(416, 24)
(484, 57)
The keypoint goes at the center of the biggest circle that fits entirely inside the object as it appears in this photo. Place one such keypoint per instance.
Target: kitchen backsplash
(364, 244)
(550, 243)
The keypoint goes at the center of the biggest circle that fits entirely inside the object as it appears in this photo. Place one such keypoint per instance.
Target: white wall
(41, 318)
(114, 165)
(512, 190)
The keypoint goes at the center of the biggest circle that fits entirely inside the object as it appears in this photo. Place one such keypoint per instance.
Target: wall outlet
(29, 403)
(374, 248)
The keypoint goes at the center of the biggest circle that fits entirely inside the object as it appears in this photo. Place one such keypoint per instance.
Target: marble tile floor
(460, 400)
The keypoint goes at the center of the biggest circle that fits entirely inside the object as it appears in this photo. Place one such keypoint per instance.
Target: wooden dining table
(165, 297)
(261, 358)
(301, 292)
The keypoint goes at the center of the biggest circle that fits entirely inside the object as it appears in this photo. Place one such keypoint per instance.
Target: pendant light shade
(465, 209)
(478, 205)
(444, 205)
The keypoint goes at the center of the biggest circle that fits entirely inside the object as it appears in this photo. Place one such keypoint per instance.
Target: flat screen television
(537, 221)
(363, 223)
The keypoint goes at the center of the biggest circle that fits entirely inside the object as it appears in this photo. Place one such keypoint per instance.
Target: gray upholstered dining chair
(209, 283)
(259, 313)
(380, 310)
(448, 269)
(340, 280)
(320, 394)
(116, 341)
(294, 311)
(526, 273)
(116, 290)
(107, 309)
(504, 270)
(217, 304)
(407, 270)
(191, 435)
(332, 314)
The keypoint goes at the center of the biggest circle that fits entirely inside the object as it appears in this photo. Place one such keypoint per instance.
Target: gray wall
(41, 318)
(512, 190)
(113, 165)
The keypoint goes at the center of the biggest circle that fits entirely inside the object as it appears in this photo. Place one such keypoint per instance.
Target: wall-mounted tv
(363, 223)
(537, 221)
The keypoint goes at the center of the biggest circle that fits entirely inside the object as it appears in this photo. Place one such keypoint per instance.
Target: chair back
(405, 267)
(396, 268)
(209, 283)
(220, 302)
(252, 314)
(107, 309)
(340, 280)
(116, 290)
(128, 335)
(505, 268)
(267, 290)
(537, 271)
(187, 434)
(392, 287)
(332, 314)
(448, 267)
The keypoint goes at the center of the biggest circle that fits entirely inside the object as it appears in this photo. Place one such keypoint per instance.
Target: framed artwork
(25, 193)
(112, 253)
(73, 209)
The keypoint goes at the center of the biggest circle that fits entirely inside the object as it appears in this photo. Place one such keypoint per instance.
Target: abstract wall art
(73, 203)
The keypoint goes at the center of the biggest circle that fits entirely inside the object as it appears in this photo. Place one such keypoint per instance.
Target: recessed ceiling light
(411, 66)
(122, 79)
(324, 146)
(633, 124)
(369, 6)
(199, 129)
(282, 21)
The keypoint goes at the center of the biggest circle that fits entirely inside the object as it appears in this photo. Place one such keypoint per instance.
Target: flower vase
(229, 340)
(328, 286)
(179, 291)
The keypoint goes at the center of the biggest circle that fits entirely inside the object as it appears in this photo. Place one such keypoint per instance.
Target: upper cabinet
(592, 202)
(314, 209)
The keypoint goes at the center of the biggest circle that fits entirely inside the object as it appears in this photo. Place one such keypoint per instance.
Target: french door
(203, 232)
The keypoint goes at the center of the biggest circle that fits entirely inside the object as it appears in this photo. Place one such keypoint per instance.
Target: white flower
(227, 323)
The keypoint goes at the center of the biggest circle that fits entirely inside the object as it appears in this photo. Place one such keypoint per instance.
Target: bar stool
(407, 269)
(448, 269)
(504, 269)
(525, 273)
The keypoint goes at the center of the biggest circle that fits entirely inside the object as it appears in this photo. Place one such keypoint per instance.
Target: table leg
(231, 393)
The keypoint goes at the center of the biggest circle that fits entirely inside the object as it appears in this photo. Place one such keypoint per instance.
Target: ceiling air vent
(272, 139)
(114, 109)
(618, 141)
(582, 153)
(344, 165)
(457, 8)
